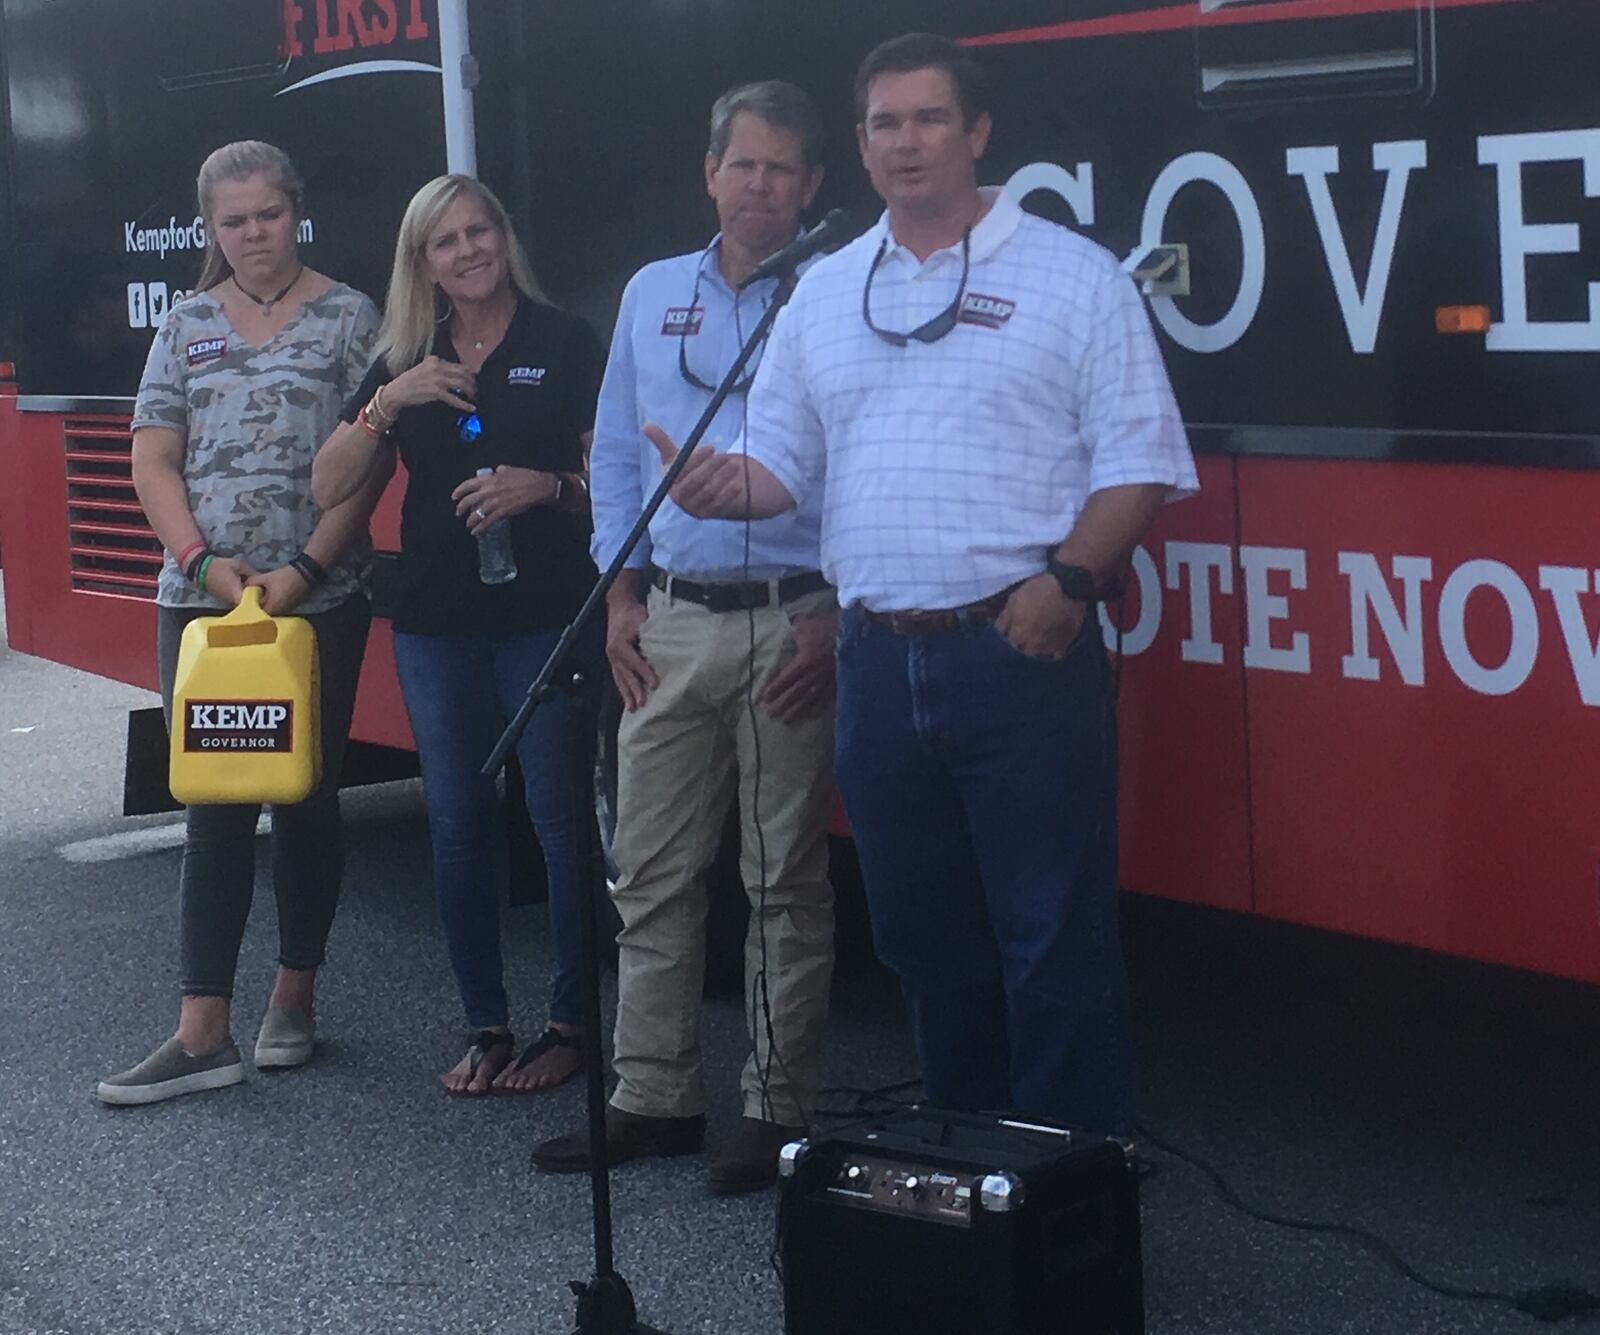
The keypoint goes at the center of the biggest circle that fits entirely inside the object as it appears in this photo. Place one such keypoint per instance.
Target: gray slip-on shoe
(170, 1071)
(287, 1037)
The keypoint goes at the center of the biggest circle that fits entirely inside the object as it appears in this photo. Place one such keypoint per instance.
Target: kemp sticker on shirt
(682, 321)
(238, 725)
(987, 312)
(204, 350)
(525, 375)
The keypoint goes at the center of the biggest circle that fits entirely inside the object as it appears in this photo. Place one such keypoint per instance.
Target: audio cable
(1555, 1300)
(758, 1002)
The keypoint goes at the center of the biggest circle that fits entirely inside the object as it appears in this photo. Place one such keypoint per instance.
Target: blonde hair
(238, 162)
(411, 310)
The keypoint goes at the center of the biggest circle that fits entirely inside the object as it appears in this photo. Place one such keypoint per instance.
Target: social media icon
(138, 306)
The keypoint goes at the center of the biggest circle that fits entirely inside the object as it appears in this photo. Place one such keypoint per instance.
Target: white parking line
(134, 843)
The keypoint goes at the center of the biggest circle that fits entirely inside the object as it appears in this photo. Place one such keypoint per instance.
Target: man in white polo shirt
(980, 399)
(721, 644)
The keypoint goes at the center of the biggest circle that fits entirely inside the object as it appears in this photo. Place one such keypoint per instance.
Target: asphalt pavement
(1449, 1108)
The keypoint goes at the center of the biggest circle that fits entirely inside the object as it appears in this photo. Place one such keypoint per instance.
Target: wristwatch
(1076, 582)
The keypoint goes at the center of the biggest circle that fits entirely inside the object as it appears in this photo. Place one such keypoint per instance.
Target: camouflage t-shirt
(252, 418)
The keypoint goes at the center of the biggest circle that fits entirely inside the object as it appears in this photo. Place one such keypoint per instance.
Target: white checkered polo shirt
(950, 468)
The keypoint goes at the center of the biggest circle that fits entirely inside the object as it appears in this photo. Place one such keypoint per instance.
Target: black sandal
(551, 1038)
(484, 1041)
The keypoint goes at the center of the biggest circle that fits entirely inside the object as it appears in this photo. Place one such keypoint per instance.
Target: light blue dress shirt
(683, 300)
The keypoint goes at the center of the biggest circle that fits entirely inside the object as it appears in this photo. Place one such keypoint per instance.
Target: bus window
(212, 42)
(1249, 52)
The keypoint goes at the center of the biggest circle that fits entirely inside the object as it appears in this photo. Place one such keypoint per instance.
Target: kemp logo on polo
(525, 375)
(238, 725)
(204, 350)
(988, 312)
(682, 321)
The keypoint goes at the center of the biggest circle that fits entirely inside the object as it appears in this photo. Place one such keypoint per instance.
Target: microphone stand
(605, 1303)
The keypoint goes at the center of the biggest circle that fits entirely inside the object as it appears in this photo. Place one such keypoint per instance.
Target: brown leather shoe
(749, 1161)
(628, 1136)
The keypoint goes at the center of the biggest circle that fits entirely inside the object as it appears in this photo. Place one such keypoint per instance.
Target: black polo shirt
(536, 397)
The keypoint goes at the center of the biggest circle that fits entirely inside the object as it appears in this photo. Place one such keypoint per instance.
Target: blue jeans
(459, 690)
(981, 787)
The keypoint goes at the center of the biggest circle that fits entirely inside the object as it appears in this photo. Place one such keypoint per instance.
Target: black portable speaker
(932, 1222)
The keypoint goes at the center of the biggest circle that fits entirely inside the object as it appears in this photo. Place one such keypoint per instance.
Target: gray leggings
(217, 883)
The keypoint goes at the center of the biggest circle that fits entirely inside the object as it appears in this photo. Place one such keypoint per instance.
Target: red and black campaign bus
(1361, 686)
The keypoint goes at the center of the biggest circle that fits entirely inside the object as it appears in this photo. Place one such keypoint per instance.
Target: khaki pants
(680, 757)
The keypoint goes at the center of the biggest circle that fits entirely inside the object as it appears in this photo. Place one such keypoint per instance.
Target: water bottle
(496, 564)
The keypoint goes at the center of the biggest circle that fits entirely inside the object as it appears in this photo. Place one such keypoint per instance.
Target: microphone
(828, 235)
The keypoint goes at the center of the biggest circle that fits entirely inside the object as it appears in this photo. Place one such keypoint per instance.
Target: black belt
(738, 595)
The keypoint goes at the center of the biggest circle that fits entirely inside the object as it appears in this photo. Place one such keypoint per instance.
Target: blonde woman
(487, 393)
(244, 381)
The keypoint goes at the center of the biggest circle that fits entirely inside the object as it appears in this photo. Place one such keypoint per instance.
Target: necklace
(267, 303)
(478, 343)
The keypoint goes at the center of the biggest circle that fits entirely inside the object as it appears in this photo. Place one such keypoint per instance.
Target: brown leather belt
(946, 618)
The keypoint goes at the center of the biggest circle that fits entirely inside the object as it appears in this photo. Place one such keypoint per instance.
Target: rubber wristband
(200, 572)
(193, 563)
(187, 554)
(364, 421)
(309, 567)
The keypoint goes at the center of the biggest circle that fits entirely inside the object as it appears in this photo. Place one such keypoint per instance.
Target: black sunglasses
(942, 323)
(743, 386)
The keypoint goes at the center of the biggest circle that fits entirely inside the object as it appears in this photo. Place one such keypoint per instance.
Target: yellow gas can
(244, 709)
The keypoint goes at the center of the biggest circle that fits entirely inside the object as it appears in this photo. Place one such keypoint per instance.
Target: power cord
(1556, 1300)
(1553, 1301)
(868, 1102)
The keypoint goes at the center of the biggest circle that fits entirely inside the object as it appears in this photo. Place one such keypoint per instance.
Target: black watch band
(1077, 582)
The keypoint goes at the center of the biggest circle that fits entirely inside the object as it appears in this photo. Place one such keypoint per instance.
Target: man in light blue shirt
(720, 639)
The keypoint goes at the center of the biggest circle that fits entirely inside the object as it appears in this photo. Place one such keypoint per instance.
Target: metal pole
(460, 78)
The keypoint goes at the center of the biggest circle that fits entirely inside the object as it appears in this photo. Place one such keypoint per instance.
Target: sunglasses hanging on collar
(689, 377)
(941, 324)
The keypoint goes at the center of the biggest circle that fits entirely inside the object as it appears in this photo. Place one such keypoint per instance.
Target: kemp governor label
(238, 725)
